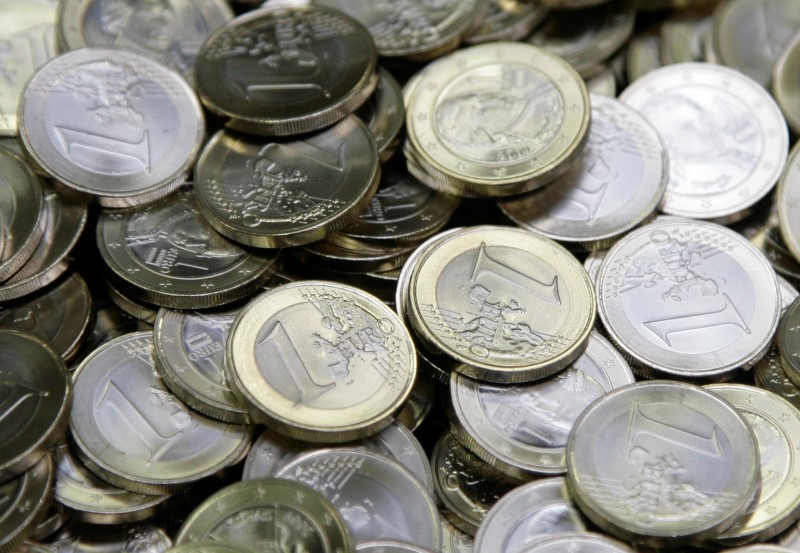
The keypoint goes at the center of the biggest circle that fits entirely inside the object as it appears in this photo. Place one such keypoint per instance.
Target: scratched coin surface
(22, 501)
(133, 433)
(726, 137)
(689, 299)
(22, 213)
(111, 123)
(506, 304)
(662, 461)
(788, 203)
(320, 361)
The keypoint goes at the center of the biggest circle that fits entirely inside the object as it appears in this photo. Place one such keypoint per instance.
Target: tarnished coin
(287, 193)
(527, 515)
(505, 304)
(377, 497)
(143, 537)
(34, 401)
(28, 35)
(166, 254)
(508, 20)
(320, 361)
(384, 113)
(134, 434)
(112, 124)
(267, 514)
(663, 462)
(22, 213)
(170, 31)
(726, 137)
(788, 341)
(689, 299)
(523, 429)
(769, 374)
(596, 543)
(617, 183)
(776, 425)
(22, 500)
(786, 83)
(788, 204)
(286, 70)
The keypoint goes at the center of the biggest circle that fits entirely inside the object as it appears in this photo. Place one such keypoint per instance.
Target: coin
(643, 54)
(145, 312)
(210, 547)
(508, 20)
(266, 514)
(788, 341)
(144, 537)
(592, 263)
(689, 299)
(286, 70)
(21, 213)
(347, 255)
(761, 548)
(725, 136)
(788, 203)
(22, 500)
(563, 542)
(130, 431)
(340, 362)
(389, 547)
(785, 84)
(662, 462)
(385, 114)
(788, 292)
(604, 84)
(321, 184)
(683, 35)
(454, 540)
(769, 374)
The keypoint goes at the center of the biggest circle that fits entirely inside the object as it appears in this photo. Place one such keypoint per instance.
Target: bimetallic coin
(286, 70)
(788, 341)
(786, 83)
(273, 194)
(689, 299)
(320, 361)
(385, 114)
(662, 462)
(769, 374)
(29, 41)
(268, 514)
(22, 500)
(725, 136)
(788, 204)
(508, 20)
(90, 538)
(776, 426)
(130, 431)
(377, 497)
(616, 183)
(112, 124)
(596, 543)
(166, 254)
(505, 304)
(21, 213)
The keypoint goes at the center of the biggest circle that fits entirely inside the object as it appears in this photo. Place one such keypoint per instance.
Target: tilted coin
(166, 254)
(145, 312)
(785, 83)
(133, 433)
(22, 500)
(271, 194)
(508, 20)
(286, 70)
(377, 497)
(689, 299)
(790, 538)
(389, 547)
(788, 341)
(528, 514)
(268, 514)
(776, 426)
(726, 137)
(112, 322)
(210, 547)
(505, 304)
(420, 401)
(34, 401)
(788, 203)
(643, 54)
(112, 124)
(523, 429)
(769, 374)
(320, 361)
(616, 183)
(51, 522)
(597, 543)
(22, 213)
(144, 537)
(788, 292)
(385, 114)
(604, 84)
(592, 263)
(662, 461)
(29, 38)
(348, 255)
(170, 31)
(683, 36)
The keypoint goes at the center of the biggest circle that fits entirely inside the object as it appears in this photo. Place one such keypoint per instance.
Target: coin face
(22, 213)
(662, 461)
(688, 298)
(111, 123)
(725, 136)
(788, 203)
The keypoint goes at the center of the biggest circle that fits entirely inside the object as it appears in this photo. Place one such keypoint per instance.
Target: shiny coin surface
(689, 299)
(788, 202)
(498, 119)
(788, 341)
(786, 83)
(112, 124)
(145, 312)
(385, 114)
(286, 70)
(274, 194)
(769, 374)
(616, 183)
(143, 537)
(378, 498)
(340, 253)
(134, 434)
(34, 401)
(523, 429)
(267, 514)
(22, 501)
(527, 515)
(166, 254)
(21, 212)
(726, 137)
(506, 304)
(662, 461)
(508, 20)
(320, 361)
(596, 543)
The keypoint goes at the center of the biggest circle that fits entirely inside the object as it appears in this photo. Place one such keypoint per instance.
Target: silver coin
(377, 497)
(385, 114)
(454, 540)
(507, 20)
(788, 203)
(683, 35)
(143, 537)
(592, 263)
(595, 543)
(22, 500)
(643, 54)
(389, 547)
(603, 84)
(689, 299)
(112, 124)
(145, 312)
(726, 137)
(662, 462)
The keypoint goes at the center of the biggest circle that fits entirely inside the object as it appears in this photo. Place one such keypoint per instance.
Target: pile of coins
(399, 277)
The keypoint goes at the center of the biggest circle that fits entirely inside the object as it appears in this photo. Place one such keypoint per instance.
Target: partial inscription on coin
(136, 435)
(91, 538)
(788, 203)
(769, 374)
(725, 136)
(21, 213)
(786, 81)
(111, 123)
(662, 462)
(688, 299)
(508, 20)
(23, 500)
